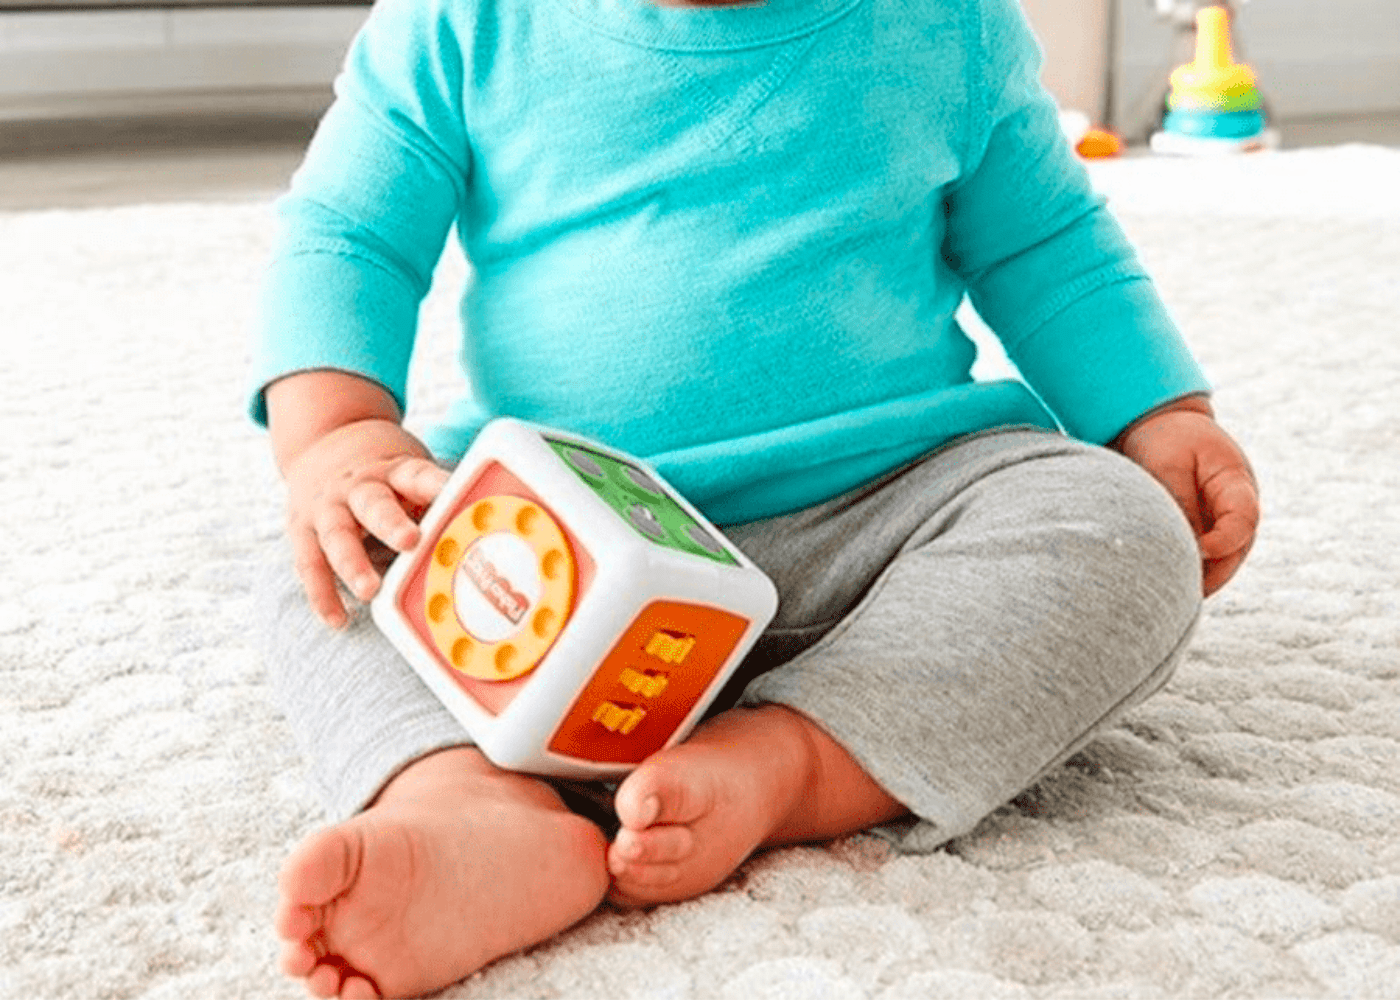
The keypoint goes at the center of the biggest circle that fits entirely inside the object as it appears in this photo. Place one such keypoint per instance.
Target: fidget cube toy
(567, 606)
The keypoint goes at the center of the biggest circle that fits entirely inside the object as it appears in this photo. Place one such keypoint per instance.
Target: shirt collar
(695, 29)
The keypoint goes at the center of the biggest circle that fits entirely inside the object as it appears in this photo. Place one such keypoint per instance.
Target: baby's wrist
(1198, 403)
(307, 407)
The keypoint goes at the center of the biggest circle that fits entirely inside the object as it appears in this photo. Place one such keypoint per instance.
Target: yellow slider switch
(646, 685)
(617, 719)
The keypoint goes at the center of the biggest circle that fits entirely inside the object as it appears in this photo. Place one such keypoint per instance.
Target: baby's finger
(1218, 572)
(1233, 508)
(316, 577)
(1232, 532)
(1181, 484)
(418, 480)
(377, 507)
(341, 540)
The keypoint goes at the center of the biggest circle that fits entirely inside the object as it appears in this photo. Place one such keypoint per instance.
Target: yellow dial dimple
(505, 657)
(525, 615)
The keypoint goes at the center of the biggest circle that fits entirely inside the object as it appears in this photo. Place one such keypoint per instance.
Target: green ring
(1251, 100)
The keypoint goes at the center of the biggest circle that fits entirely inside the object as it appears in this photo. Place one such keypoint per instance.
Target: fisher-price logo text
(494, 586)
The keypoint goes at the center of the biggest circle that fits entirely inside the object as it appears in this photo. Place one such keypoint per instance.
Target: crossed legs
(1074, 613)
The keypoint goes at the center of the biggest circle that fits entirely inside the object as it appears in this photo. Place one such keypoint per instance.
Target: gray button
(584, 463)
(642, 480)
(704, 539)
(645, 521)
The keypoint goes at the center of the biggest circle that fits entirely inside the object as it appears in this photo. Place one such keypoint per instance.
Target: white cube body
(568, 606)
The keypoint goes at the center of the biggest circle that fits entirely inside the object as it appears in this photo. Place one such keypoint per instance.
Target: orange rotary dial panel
(498, 588)
(648, 683)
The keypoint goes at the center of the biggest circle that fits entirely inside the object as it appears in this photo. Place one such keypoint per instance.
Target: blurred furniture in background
(1078, 38)
(1107, 58)
(65, 59)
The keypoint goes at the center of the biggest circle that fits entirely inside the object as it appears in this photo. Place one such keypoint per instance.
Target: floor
(213, 157)
(207, 157)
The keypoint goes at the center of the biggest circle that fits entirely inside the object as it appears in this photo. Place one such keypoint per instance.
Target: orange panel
(684, 646)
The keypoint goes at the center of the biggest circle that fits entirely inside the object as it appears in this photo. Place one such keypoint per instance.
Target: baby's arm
(361, 231)
(1049, 269)
(1183, 447)
(1047, 266)
(351, 470)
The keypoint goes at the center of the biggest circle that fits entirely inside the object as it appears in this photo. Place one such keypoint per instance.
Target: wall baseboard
(303, 102)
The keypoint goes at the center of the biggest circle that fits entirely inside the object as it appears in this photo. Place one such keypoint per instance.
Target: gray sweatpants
(960, 626)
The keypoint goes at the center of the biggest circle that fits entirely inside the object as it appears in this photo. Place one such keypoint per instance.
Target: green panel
(643, 503)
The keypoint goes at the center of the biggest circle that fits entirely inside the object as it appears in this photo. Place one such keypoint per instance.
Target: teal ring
(1214, 124)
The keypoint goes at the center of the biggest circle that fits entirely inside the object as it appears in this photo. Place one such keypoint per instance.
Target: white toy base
(1172, 144)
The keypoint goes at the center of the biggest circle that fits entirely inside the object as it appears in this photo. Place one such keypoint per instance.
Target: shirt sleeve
(364, 222)
(1048, 267)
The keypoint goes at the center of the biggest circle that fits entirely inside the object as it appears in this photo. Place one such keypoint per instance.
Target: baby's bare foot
(693, 813)
(457, 864)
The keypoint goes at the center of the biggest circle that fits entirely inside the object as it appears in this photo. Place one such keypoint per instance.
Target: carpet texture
(1238, 836)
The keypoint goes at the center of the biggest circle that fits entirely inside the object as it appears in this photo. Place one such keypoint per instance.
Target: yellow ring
(519, 652)
(1223, 81)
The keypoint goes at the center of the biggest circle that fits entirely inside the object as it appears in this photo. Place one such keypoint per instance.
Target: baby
(730, 239)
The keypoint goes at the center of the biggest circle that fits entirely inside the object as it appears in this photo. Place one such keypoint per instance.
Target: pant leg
(965, 625)
(360, 714)
(358, 711)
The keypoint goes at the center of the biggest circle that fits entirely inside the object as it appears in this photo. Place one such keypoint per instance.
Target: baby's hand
(1201, 466)
(360, 479)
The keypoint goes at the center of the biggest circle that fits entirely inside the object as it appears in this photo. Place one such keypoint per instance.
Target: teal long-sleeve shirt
(730, 240)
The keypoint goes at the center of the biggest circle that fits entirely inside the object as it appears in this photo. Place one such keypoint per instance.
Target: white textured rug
(1239, 837)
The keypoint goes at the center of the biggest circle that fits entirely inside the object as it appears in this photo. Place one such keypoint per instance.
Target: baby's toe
(665, 790)
(323, 867)
(298, 959)
(656, 845)
(643, 885)
(296, 922)
(324, 981)
(637, 803)
(358, 988)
